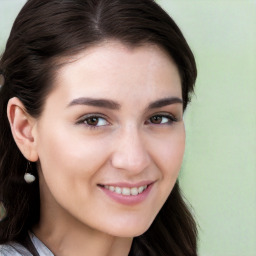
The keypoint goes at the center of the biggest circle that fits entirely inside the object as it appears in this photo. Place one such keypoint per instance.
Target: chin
(129, 230)
(128, 233)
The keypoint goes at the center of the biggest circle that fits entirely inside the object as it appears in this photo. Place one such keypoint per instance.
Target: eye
(162, 119)
(93, 121)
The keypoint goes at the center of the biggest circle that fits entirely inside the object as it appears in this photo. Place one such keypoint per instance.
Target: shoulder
(13, 249)
(16, 249)
(40, 246)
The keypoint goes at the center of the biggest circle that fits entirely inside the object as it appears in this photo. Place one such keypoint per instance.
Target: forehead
(117, 70)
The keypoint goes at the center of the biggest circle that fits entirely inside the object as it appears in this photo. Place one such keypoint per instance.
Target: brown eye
(92, 121)
(162, 119)
(156, 119)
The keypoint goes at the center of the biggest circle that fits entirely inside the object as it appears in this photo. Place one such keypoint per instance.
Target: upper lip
(128, 185)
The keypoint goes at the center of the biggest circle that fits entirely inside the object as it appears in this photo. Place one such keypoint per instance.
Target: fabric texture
(15, 249)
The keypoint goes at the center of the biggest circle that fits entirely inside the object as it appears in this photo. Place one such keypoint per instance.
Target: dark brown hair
(45, 31)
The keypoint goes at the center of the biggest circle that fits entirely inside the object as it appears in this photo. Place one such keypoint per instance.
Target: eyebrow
(165, 102)
(103, 103)
(110, 104)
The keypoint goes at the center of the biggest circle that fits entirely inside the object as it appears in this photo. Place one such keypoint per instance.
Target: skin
(123, 145)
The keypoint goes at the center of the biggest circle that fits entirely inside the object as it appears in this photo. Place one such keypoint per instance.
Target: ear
(22, 127)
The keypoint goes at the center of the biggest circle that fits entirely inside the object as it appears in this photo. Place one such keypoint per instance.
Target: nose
(130, 152)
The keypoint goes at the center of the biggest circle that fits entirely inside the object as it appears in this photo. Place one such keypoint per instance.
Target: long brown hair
(43, 32)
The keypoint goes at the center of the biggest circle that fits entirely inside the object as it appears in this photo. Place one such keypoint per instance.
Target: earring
(28, 177)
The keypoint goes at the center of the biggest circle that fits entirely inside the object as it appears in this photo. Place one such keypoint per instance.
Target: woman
(92, 134)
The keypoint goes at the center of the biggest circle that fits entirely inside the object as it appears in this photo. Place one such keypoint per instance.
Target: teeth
(135, 191)
(142, 188)
(111, 188)
(118, 190)
(126, 191)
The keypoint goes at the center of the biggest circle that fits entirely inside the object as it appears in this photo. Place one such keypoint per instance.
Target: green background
(218, 176)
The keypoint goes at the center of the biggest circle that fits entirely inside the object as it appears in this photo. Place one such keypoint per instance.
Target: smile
(126, 191)
(127, 194)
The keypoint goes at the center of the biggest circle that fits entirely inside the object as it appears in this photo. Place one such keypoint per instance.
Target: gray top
(15, 249)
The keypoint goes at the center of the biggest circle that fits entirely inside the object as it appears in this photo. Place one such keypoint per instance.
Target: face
(110, 139)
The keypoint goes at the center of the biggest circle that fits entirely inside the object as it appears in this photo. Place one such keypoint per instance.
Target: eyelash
(84, 119)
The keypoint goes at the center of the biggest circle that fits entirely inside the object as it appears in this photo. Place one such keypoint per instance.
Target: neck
(76, 239)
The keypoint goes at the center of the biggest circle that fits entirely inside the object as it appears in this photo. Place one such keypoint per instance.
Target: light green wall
(219, 171)
(8, 12)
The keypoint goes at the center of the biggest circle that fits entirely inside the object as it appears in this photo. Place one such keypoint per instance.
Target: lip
(124, 199)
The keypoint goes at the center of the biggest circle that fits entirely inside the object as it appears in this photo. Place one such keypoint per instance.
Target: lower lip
(128, 200)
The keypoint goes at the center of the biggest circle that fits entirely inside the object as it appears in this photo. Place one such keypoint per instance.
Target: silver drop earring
(28, 177)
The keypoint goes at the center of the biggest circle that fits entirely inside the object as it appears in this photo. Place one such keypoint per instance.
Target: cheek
(68, 160)
(173, 153)
(168, 156)
(169, 151)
